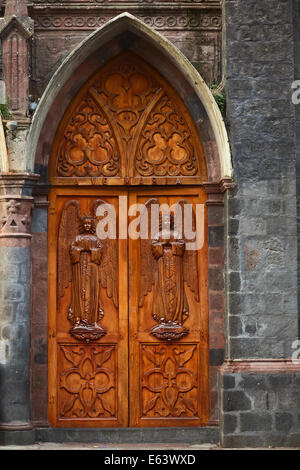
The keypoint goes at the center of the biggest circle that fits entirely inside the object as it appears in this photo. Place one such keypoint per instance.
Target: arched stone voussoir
(127, 32)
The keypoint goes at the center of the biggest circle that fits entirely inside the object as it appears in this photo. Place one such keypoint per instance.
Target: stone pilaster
(16, 203)
(16, 28)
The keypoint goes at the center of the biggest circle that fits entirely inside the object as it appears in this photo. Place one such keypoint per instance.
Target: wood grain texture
(78, 374)
(128, 122)
(149, 366)
(172, 385)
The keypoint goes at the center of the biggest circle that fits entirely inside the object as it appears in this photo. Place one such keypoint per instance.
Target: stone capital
(216, 191)
(16, 204)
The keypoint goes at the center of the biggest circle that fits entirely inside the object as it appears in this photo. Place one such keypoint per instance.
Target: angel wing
(67, 231)
(147, 261)
(190, 259)
(109, 264)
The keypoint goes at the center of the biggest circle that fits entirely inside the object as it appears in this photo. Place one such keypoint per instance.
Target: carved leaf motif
(188, 404)
(68, 405)
(150, 404)
(73, 356)
(153, 357)
(101, 357)
(106, 405)
(182, 357)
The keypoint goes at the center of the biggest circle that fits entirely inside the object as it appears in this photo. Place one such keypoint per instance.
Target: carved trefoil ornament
(167, 265)
(87, 263)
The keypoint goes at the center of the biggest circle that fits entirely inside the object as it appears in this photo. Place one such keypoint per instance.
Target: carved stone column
(15, 30)
(15, 273)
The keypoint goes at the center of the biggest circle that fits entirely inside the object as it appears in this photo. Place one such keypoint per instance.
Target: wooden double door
(128, 314)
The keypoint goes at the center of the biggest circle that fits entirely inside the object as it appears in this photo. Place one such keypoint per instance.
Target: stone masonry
(253, 235)
(259, 408)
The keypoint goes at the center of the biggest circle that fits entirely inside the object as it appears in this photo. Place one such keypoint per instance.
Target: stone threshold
(199, 435)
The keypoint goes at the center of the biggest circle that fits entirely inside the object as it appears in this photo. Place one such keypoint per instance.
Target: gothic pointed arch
(128, 122)
(127, 32)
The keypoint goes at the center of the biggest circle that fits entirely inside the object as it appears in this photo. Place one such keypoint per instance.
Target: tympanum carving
(166, 264)
(128, 123)
(86, 263)
(89, 147)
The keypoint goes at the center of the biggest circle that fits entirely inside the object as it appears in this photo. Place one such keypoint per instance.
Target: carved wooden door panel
(88, 324)
(128, 317)
(168, 317)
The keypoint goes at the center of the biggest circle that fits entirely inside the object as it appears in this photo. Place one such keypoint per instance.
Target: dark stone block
(17, 437)
(130, 435)
(229, 424)
(235, 326)
(233, 227)
(215, 236)
(235, 304)
(253, 382)
(234, 282)
(280, 381)
(283, 421)
(228, 381)
(255, 422)
(216, 357)
(236, 401)
(216, 279)
(245, 440)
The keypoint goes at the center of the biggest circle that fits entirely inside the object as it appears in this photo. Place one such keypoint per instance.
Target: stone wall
(194, 27)
(262, 237)
(261, 279)
(296, 15)
(260, 409)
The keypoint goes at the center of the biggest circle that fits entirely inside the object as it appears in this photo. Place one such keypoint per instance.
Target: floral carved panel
(169, 380)
(87, 381)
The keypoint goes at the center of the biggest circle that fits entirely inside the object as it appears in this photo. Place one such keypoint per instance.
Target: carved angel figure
(82, 260)
(167, 264)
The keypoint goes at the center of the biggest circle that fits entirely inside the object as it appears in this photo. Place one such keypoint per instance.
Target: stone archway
(126, 32)
(107, 41)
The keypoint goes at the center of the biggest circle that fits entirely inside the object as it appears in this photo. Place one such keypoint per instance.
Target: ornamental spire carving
(15, 30)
